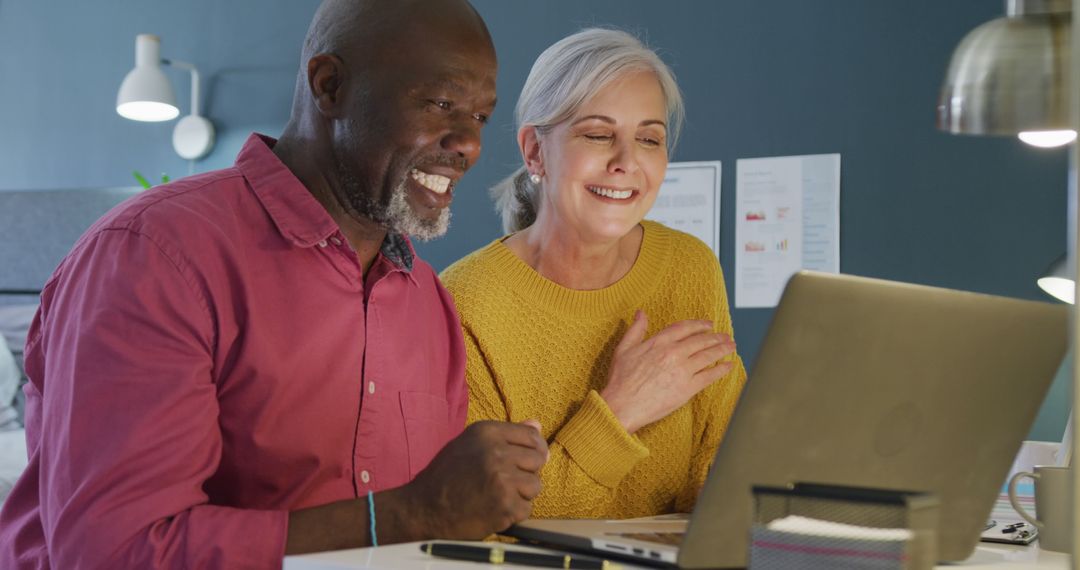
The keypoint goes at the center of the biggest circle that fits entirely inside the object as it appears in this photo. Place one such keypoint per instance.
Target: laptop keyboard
(670, 538)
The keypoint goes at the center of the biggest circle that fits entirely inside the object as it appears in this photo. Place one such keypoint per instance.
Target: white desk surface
(408, 556)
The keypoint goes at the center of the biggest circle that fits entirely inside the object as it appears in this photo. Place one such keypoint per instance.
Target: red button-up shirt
(209, 357)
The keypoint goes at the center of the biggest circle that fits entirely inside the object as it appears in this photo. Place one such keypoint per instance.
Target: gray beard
(403, 220)
(398, 217)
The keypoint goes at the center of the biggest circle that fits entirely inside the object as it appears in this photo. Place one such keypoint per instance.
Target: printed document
(787, 218)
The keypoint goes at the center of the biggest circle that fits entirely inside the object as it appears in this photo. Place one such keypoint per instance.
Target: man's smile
(437, 183)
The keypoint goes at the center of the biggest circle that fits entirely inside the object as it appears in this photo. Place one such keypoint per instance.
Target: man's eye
(481, 117)
(442, 104)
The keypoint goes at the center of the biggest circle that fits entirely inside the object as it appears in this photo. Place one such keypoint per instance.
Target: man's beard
(397, 216)
(403, 220)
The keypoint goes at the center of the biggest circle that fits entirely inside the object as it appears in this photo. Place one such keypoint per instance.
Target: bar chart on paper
(787, 219)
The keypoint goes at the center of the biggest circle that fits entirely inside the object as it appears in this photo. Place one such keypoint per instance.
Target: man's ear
(529, 144)
(325, 76)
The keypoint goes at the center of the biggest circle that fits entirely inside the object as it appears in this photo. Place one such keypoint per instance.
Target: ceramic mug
(1051, 505)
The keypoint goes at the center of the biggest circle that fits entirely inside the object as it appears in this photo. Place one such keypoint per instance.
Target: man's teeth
(434, 182)
(609, 193)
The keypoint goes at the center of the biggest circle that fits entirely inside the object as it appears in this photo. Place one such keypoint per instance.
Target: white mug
(1054, 520)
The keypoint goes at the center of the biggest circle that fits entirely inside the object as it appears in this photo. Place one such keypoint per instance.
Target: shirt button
(370, 387)
(322, 243)
(365, 476)
(335, 241)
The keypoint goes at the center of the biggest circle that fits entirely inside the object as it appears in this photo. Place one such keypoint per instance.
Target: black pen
(499, 555)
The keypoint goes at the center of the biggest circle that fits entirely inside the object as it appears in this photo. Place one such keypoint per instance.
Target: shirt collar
(398, 249)
(298, 216)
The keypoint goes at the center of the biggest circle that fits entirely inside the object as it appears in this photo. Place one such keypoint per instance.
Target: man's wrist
(401, 518)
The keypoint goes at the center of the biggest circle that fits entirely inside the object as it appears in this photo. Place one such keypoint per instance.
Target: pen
(498, 555)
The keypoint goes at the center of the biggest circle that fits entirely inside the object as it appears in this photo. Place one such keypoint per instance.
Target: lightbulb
(151, 111)
(1059, 288)
(1048, 139)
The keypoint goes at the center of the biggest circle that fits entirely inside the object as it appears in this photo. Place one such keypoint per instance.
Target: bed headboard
(37, 229)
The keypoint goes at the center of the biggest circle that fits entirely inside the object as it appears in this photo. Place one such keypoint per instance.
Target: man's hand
(652, 377)
(481, 482)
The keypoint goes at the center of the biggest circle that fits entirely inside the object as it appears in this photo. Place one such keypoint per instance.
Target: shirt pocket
(426, 427)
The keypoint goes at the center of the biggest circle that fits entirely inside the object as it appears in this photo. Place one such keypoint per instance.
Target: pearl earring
(534, 178)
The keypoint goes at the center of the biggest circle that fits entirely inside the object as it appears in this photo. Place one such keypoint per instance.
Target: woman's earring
(534, 178)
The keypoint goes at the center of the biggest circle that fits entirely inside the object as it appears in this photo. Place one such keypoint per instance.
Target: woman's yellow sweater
(538, 350)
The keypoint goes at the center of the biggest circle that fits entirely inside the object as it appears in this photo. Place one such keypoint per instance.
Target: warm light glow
(150, 111)
(1048, 139)
(1059, 288)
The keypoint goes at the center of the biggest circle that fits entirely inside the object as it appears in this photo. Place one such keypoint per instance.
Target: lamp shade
(1011, 75)
(1058, 281)
(146, 93)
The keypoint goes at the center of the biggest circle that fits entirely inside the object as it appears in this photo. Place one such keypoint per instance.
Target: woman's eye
(647, 141)
(598, 138)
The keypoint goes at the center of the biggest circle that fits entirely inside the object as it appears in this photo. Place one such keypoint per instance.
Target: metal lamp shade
(1008, 76)
(1058, 281)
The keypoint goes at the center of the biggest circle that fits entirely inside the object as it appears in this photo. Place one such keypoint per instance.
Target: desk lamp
(1012, 76)
(147, 95)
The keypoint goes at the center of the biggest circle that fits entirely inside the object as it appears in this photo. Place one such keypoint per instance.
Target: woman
(605, 327)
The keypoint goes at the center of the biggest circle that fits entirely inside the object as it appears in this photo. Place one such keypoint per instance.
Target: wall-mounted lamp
(1010, 76)
(147, 95)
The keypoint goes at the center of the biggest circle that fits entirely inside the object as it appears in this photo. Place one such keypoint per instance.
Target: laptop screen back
(871, 383)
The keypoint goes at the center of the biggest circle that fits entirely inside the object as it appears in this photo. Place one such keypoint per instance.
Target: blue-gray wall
(761, 78)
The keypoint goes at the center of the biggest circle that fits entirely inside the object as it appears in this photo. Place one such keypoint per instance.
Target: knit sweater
(538, 350)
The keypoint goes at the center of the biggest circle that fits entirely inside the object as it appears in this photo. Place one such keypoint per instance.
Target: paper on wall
(689, 201)
(787, 218)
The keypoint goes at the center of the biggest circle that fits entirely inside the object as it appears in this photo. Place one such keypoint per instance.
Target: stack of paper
(804, 543)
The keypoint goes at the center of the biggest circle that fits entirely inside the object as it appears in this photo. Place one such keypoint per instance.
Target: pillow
(9, 385)
(12, 460)
(15, 321)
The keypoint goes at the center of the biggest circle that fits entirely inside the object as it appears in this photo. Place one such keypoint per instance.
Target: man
(226, 368)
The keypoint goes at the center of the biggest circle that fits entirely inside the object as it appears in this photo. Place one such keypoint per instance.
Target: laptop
(864, 383)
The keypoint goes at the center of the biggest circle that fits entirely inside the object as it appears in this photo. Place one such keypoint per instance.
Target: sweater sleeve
(590, 454)
(714, 406)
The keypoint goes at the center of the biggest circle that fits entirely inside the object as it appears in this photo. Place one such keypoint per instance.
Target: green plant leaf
(141, 179)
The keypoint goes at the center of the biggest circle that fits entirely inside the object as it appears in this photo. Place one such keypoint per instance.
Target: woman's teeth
(609, 193)
(434, 182)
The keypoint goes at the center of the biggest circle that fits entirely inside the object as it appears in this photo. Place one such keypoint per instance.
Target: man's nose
(463, 139)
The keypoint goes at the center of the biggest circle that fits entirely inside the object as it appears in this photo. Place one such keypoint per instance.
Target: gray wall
(761, 78)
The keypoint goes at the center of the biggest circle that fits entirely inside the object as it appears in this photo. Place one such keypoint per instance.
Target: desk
(405, 556)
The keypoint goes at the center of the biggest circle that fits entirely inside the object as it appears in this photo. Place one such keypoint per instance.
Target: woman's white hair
(564, 78)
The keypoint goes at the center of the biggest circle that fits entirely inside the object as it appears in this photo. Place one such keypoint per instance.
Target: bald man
(253, 362)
